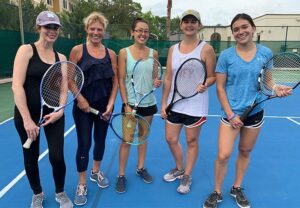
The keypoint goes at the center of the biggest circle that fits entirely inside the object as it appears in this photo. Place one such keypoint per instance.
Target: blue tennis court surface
(271, 180)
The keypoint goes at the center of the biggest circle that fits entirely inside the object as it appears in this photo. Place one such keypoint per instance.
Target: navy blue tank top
(98, 74)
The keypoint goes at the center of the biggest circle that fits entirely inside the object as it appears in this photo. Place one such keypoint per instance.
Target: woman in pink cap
(31, 62)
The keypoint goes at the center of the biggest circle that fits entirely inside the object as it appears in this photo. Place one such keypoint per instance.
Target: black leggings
(84, 124)
(55, 138)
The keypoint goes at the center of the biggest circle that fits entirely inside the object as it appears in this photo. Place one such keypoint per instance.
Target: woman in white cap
(191, 116)
(31, 62)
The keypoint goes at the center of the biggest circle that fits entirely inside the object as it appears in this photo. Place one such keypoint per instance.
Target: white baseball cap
(192, 13)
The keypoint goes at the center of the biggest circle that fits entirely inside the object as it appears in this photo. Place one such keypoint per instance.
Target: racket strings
(51, 86)
(284, 69)
(60, 79)
(144, 75)
(189, 76)
(135, 133)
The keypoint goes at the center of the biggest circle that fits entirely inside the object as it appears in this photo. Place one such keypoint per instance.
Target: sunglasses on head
(51, 27)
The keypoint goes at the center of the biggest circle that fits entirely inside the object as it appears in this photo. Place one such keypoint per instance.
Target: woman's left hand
(202, 88)
(53, 117)
(282, 91)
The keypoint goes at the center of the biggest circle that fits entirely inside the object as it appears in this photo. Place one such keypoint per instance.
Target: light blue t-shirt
(241, 83)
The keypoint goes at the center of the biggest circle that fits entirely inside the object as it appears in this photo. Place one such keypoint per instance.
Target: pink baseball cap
(46, 18)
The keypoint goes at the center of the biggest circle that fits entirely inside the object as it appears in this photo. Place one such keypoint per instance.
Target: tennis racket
(135, 135)
(60, 85)
(191, 73)
(281, 72)
(143, 77)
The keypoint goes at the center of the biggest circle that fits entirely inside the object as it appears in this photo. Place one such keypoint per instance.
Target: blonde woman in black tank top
(31, 62)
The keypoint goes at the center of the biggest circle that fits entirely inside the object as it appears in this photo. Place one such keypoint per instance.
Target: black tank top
(35, 71)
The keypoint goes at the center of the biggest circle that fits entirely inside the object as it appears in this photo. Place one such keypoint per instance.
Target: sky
(215, 12)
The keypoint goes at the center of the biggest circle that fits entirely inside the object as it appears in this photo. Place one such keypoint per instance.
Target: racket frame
(175, 90)
(98, 113)
(269, 97)
(29, 141)
(137, 102)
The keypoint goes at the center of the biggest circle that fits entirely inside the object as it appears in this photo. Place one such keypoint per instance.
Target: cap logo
(50, 15)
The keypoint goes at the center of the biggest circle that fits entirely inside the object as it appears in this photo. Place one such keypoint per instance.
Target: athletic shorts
(254, 121)
(144, 111)
(186, 120)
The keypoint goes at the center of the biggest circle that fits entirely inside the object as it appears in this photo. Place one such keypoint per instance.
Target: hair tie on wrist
(232, 116)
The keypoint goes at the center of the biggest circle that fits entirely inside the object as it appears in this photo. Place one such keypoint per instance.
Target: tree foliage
(119, 21)
(30, 12)
(120, 14)
(8, 14)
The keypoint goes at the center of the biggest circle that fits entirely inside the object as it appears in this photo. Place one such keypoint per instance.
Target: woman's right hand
(163, 113)
(83, 104)
(236, 122)
(31, 129)
(127, 109)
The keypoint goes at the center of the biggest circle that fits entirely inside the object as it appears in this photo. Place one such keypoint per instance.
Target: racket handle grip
(27, 144)
(246, 113)
(94, 111)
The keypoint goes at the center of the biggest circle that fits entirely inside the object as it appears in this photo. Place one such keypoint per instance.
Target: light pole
(21, 21)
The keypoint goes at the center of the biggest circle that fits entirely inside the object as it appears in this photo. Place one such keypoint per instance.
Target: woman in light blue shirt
(237, 70)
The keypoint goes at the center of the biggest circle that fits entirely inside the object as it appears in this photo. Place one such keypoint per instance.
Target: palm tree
(168, 20)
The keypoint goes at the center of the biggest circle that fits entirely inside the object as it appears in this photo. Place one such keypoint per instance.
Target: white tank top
(197, 105)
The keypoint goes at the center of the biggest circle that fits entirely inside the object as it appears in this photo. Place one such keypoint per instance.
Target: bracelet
(125, 104)
(274, 87)
(232, 116)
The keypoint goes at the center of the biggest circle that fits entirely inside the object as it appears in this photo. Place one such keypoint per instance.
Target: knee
(57, 159)
(223, 157)
(245, 152)
(125, 145)
(172, 140)
(192, 142)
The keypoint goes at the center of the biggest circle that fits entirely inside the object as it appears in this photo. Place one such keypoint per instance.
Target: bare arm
(122, 77)
(222, 96)
(209, 57)
(21, 61)
(75, 56)
(167, 83)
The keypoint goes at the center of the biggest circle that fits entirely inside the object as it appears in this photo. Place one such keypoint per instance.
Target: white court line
(292, 120)
(16, 179)
(286, 117)
(3, 122)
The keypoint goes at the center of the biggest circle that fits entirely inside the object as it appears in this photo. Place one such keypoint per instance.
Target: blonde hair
(95, 17)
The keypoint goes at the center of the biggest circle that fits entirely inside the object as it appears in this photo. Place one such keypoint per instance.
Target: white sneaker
(63, 200)
(37, 200)
(173, 175)
(185, 184)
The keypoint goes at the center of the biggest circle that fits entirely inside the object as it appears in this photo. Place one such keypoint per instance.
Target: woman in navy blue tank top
(31, 62)
(99, 65)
